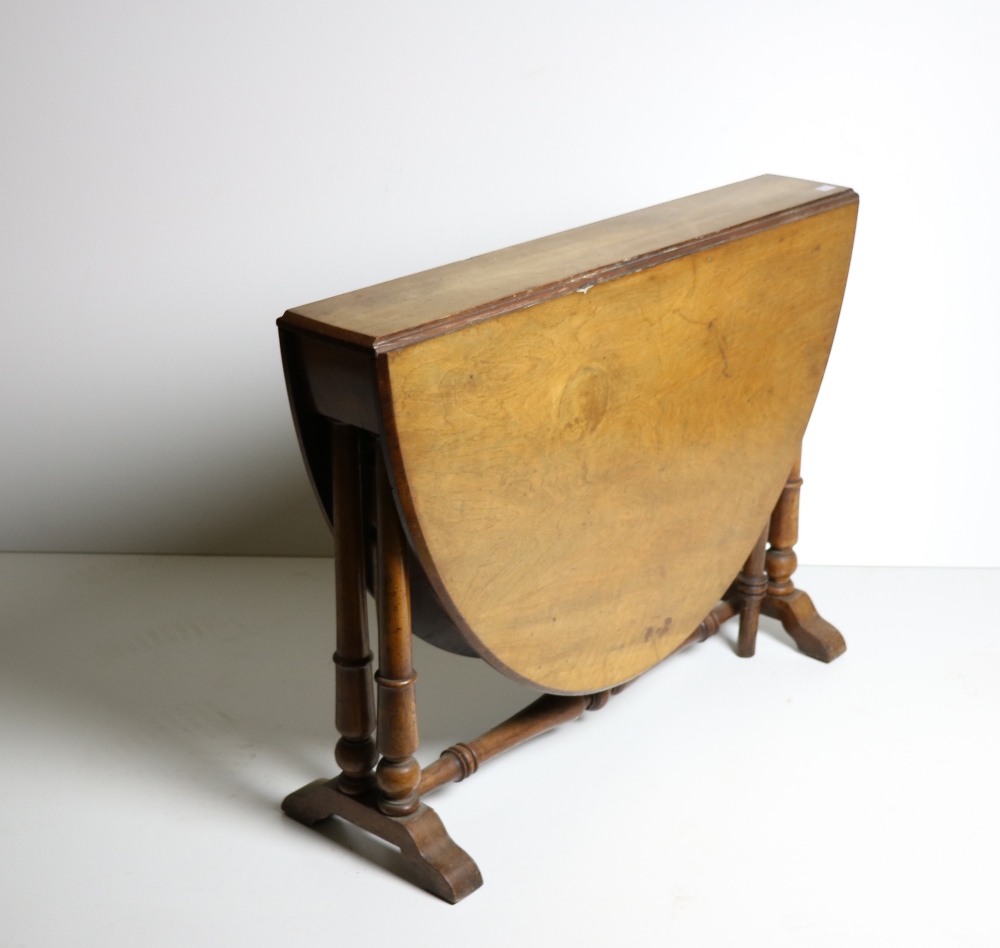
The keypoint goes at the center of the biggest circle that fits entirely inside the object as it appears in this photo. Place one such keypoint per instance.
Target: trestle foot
(439, 865)
(814, 636)
(811, 632)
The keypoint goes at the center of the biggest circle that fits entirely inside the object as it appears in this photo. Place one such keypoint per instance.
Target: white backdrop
(175, 175)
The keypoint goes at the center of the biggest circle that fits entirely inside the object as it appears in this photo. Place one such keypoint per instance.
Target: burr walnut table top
(587, 432)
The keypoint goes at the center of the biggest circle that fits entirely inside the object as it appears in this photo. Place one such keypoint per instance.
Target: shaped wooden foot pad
(441, 866)
(811, 632)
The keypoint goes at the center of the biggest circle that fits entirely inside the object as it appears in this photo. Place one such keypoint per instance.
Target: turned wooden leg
(751, 584)
(388, 806)
(398, 772)
(355, 717)
(812, 633)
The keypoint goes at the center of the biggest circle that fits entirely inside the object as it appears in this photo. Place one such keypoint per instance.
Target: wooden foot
(792, 607)
(440, 866)
(812, 633)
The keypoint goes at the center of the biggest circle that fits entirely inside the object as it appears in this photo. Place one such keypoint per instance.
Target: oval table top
(583, 475)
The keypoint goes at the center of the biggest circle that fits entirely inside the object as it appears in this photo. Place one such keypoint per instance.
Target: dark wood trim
(398, 772)
(463, 760)
(751, 584)
(312, 431)
(355, 701)
(333, 378)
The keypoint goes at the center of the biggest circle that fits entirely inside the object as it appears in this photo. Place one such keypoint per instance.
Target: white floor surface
(155, 710)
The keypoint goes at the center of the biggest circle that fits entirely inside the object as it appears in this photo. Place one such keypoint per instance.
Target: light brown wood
(583, 478)
(402, 311)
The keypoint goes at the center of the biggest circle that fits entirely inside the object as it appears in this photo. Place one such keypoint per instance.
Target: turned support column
(382, 799)
(355, 714)
(751, 584)
(783, 535)
(398, 772)
(811, 632)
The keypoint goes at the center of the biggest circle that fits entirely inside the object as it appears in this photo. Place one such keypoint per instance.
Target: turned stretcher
(566, 458)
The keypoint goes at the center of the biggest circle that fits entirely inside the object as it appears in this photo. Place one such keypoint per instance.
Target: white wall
(175, 175)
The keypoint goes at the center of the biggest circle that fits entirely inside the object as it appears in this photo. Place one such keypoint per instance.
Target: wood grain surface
(400, 312)
(584, 477)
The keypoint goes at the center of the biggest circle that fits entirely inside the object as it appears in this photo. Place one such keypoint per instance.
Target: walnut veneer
(570, 458)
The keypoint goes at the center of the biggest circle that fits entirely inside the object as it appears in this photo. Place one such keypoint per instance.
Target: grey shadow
(257, 504)
(369, 849)
(195, 667)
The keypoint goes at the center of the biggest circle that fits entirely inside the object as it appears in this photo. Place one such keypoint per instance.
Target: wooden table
(565, 457)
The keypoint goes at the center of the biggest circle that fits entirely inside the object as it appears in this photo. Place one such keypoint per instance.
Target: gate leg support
(382, 800)
(792, 607)
(355, 702)
(751, 584)
(398, 772)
